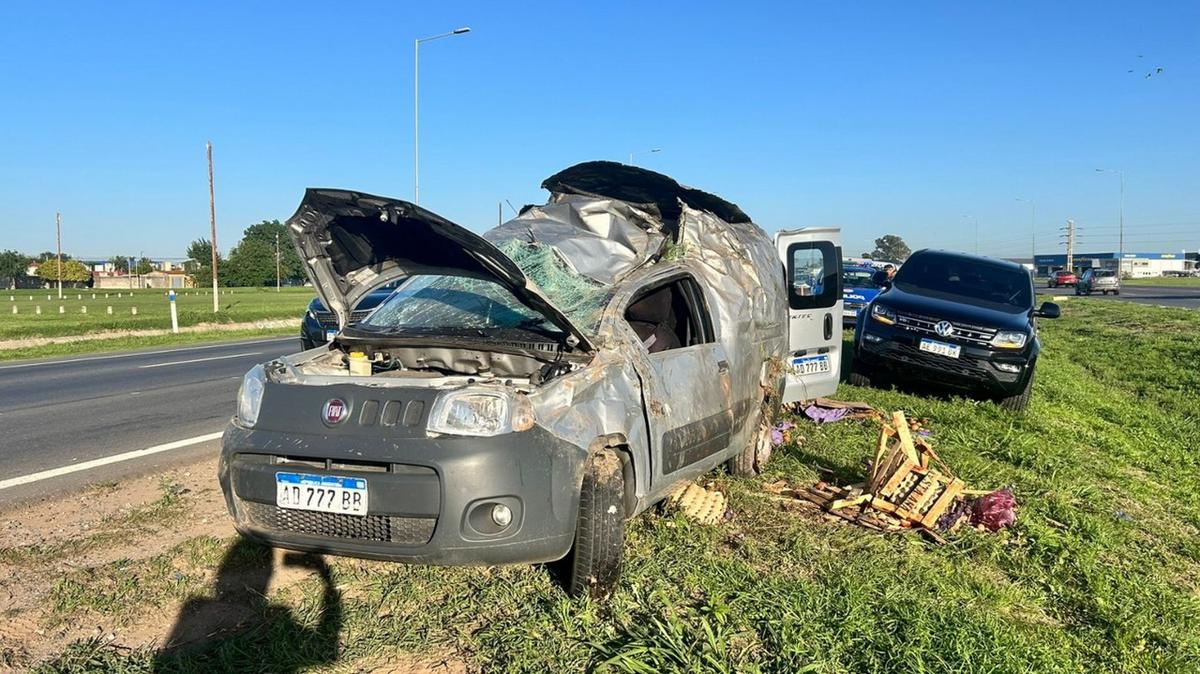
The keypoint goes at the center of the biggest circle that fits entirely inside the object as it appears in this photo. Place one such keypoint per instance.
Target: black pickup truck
(962, 321)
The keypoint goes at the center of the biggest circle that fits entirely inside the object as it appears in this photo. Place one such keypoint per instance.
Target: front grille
(380, 528)
(924, 324)
(963, 366)
(327, 319)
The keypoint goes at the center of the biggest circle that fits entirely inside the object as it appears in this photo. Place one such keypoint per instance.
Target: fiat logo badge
(944, 328)
(335, 411)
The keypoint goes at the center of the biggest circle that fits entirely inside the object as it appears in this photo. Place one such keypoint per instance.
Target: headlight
(480, 413)
(883, 314)
(1009, 339)
(250, 395)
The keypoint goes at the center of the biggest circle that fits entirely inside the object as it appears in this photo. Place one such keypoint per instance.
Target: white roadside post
(174, 314)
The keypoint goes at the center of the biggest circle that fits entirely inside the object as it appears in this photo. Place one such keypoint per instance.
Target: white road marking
(96, 463)
(145, 353)
(201, 360)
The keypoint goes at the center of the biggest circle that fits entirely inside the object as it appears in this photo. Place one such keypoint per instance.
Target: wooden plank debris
(908, 487)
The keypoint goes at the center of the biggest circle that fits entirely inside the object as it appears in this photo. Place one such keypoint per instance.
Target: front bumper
(312, 333)
(429, 499)
(897, 350)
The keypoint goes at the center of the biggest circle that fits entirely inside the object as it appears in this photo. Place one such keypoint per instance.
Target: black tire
(594, 564)
(304, 343)
(1115, 292)
(861, 376)
(1018, 403)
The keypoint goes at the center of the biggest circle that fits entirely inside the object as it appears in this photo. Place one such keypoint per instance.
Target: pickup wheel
(1020, 401)
(594, 563)
(861, 376)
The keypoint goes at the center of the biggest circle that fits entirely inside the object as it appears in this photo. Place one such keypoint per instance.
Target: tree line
(250, 263)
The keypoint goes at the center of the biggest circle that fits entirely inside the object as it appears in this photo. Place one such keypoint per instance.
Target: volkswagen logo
(335, 411)
(944, 328)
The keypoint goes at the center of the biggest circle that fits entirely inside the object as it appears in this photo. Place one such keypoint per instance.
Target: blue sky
(876, 117)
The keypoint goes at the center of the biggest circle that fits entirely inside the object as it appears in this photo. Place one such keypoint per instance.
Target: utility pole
(276, 261)
(1070, 241)
(499, 212)
(212, 220)
(1032, 233)
(58, 238)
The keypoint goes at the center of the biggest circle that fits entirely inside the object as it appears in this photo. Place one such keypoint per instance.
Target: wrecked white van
(525, 392)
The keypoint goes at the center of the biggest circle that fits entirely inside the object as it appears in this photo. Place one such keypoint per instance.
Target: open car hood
(353, 243)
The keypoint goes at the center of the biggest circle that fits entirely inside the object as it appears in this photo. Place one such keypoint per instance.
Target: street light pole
(276, 261)
(1032, 233)
(651, 151)
(417, 107)
(1121, 221)
(976, 219)
(212, 221)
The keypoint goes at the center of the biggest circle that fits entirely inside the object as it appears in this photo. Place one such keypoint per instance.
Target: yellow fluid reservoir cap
(357, 354)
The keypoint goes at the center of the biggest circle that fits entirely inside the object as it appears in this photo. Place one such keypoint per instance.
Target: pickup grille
(962, 331)
(328, 319)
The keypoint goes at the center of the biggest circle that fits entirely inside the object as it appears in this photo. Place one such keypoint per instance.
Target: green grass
(1185, 282)
(194, 307)
(1101, 572)
(109, 345)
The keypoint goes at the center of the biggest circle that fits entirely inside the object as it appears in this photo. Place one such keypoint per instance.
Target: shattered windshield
(579, 298)
(455, 303)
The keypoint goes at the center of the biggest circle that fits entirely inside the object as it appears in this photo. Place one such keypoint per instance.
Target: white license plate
(850, 311)
(330, 334)
(940, 348)
(811, 364)
(322, 493)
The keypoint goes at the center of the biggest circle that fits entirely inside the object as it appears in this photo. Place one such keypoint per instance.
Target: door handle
(828, 326)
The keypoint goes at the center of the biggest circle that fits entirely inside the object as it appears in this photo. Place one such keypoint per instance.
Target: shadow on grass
(237, 629)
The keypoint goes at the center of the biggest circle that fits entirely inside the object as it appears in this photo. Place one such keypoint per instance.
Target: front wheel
(594, 563)
(1116, 292)
(1020, 401)
(754, 456)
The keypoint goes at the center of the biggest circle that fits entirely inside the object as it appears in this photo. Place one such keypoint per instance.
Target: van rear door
(812, 262)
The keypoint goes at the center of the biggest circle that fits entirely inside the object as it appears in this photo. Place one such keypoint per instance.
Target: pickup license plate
(811, 364)
(940, 348)
(321, 493)
(330, 334)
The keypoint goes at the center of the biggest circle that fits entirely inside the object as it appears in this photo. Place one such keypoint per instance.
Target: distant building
(118, 280)
(1136, 265)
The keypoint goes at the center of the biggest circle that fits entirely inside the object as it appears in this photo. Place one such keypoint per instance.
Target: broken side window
(670, 316)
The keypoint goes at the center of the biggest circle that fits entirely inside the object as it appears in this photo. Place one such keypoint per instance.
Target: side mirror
(1049, 310)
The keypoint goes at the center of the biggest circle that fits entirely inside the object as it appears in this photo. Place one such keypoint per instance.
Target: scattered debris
(825, 409)
(909, 486)
(781, 433)
(704, 505)
(995, 510)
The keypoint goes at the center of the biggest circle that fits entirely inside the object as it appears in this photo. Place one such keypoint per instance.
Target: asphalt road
(64, 412)
(1188, 298)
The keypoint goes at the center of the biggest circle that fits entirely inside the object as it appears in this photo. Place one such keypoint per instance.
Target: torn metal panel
(600, 239)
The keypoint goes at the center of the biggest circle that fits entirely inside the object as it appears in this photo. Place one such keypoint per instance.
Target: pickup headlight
(883, 314)
(250, 395)
(480, 413)
(1009, 339)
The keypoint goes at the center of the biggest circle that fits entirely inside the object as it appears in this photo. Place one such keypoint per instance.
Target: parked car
(525, 392)
(858, 289)
(1062, 277)
(1103, 281)
(959, 320)
(320, 325)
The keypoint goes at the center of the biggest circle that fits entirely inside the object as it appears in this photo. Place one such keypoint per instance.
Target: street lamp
(1032, 233)
(651, 151)
(1121, 230)
(976, 219)
(416, 106)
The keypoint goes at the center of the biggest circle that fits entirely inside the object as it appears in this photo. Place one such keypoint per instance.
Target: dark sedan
(963, 321)
(320, 324)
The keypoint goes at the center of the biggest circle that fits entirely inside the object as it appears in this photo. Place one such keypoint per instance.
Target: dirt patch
(132, 520)
(29, 342)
